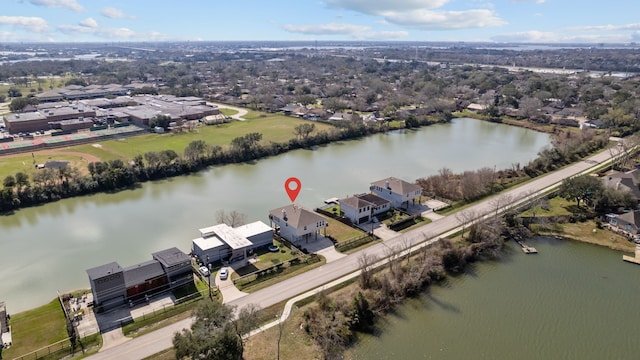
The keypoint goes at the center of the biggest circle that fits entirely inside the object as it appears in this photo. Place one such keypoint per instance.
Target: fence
(354, 242)
(276, 269)
(53, 351)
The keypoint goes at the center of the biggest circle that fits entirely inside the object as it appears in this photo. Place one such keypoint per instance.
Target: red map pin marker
(292, 192)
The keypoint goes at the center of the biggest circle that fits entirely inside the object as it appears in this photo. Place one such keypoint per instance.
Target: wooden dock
(526, 248)
(631, 259)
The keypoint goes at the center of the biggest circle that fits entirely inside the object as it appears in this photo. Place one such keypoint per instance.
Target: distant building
(399, 192)
(5, 330)
(113, 286)
(296, 223)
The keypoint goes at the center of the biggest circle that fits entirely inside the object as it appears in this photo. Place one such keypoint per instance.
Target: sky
(528, 21)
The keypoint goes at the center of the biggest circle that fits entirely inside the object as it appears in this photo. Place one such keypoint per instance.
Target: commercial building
(113, 285)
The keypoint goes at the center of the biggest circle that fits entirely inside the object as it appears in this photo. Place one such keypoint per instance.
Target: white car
(204, 271)
(224, 273)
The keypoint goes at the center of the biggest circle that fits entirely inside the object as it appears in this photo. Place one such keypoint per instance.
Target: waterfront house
(296, 223)
(361, 208)
(628, 223)
(112, 285)
(223, 243)
(398, 192)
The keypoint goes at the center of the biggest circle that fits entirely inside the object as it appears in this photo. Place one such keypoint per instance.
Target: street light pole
(209, 276)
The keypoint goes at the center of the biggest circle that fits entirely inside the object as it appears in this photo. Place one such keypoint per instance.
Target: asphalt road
(159, 340)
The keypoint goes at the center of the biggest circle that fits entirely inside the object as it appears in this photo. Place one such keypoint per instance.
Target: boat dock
(526, 248)
(631, 259)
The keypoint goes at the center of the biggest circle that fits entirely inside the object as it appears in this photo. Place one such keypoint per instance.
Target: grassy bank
(35, 329)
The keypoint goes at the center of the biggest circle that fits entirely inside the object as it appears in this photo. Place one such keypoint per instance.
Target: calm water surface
(48, 248)
(570, 301)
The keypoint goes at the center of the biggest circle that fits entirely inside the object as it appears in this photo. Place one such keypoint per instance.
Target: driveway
(227, 288)
(239, 116)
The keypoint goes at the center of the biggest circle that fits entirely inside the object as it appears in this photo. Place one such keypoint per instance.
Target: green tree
(9, 181)
(215, 333)
(160, 120)
(18, 104)
(304, 130)
(581, 188)
(196, 150)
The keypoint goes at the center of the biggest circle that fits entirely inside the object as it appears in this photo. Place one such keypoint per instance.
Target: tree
(215, 332)
(581, 188)
(196, 150)
(160, 120)
(233, 218)
(304, 130)
(9, 181)
(465, 217)
(20, 103)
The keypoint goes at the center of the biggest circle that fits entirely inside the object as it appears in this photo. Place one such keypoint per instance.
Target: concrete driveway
(239, 116)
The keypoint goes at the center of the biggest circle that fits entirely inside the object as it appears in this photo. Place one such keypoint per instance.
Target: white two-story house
(296, 223)
(361, 208)
(399, 192)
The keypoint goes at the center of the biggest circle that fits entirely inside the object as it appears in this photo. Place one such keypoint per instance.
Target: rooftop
(139, 273)
(171, 257)
(296, 216)
(104, 270)
(253, 229)
(207, 243)
(396, 185)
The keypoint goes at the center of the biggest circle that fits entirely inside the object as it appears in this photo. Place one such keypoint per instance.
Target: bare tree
(500, 202)
(465, 217)
(365, 262)
(233, 218)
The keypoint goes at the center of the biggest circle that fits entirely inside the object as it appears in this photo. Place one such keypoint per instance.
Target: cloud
(327, 29)
(113, 13)
(89, 22)
(561, 37)
(607, 27)
(69, 4)
(34, 24)
(107, 33)
(523, 1)
(444, 20)
(374, 7)
(422, 14)
(360, 32)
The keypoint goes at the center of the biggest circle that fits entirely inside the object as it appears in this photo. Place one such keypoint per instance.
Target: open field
(45, 84)
(273, 127)
(342, 232)
(37, 328)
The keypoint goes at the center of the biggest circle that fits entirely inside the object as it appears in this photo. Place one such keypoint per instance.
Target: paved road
(161, 339)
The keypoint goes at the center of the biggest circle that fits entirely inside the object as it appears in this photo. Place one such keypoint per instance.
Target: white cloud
(89, 22)
(444, 20)
(107, 33)
(34, 24)
(422, 14)
(113, 13)
(523, 1)
(360, 32)
(606, 27)
(374, 7)
(69, 4)
(327, 29)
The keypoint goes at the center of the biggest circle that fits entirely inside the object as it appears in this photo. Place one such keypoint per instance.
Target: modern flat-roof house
(113, 285)
(223, 243)
(296, 223)
(361, 208)
(399, 192)
(176, 264)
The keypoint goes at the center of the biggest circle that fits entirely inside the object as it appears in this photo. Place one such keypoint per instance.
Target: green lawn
(37, 328)
(274, 128)
(342, 232)
(228, 112)
(557, 207)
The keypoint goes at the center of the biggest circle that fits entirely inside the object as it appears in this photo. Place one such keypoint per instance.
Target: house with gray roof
(361, 208)
(112, 285)
(296, 223)
(624, 181)
(397, 191)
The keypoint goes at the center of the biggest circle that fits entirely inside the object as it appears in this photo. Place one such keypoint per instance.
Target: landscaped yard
(342, 232)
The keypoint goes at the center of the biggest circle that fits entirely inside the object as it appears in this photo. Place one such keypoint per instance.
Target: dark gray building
(177, 266)
(107, 285)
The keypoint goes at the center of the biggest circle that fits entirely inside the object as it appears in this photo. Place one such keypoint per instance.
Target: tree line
(333, 321)
(46, 185)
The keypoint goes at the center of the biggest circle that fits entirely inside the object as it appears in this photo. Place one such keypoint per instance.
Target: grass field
(273, 127)
(37, 328)
(46, 85)
(342, 232)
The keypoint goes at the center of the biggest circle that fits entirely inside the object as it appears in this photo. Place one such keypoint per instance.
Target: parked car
(224, 273)
(204, 271)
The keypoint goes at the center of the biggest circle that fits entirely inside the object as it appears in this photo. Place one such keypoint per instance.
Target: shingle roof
(374, 199)
(632, 217)
(398, 186)
(296, 216)
(355, 202)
